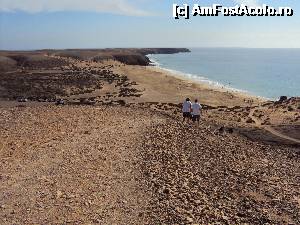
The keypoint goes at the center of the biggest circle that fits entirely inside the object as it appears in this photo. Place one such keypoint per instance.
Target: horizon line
(102, 48)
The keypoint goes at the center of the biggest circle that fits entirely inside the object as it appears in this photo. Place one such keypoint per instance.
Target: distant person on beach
(186, 109)
(196, 111)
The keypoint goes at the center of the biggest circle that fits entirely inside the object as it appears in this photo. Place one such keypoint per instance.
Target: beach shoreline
(204, 81)
(160, 85)
(208, 84)
(257, 72)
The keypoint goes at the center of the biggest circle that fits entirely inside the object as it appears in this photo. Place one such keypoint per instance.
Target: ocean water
(268, 73)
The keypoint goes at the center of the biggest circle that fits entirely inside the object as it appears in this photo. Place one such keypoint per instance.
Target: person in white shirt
(196, 111)
(186, 109)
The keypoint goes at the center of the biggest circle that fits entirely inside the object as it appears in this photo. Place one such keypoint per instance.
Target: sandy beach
(117, 151)
(163, 86)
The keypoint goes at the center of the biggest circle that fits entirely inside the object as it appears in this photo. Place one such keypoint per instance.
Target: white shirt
(186, 106)
(196, 107)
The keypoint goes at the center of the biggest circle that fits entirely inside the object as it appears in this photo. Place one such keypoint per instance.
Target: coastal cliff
(139, 56)
(130, 56)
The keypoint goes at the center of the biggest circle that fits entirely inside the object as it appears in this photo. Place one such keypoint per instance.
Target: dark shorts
(196, 117)
(186, 115)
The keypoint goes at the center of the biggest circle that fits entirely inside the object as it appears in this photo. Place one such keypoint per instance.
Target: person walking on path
(186, 109)
(196, 111)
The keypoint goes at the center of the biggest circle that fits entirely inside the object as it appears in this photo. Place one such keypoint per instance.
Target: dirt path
(258, 123)
(72, 165)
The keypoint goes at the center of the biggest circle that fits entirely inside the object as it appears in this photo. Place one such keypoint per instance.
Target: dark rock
(121, 102)
(133, 59)
(22, 100)
(60, 102)
(225, 129)
(283, 98)
(250, 120)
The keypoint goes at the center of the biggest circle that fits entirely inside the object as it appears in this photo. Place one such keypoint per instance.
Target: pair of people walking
(191, 110)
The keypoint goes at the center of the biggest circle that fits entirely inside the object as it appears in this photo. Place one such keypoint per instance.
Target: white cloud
(248, 2)
(122, 7)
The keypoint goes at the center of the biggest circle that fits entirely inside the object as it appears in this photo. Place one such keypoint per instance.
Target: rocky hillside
(205, 177)
(10, 60)
(90, 165)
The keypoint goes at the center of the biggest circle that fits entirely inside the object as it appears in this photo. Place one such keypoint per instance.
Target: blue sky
(37, 24)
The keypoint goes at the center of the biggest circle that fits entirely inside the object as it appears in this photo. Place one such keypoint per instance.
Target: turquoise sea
(268, 73)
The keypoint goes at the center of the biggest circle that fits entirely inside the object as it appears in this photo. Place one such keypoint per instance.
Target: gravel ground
(127, 165)
(72, 165)
(202, 177)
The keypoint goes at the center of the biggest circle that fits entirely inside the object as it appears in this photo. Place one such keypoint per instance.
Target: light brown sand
(163, 86)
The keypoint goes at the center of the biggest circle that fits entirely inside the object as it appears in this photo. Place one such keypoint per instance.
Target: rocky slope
(73, 165)
(133, 165)
(203, 177)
